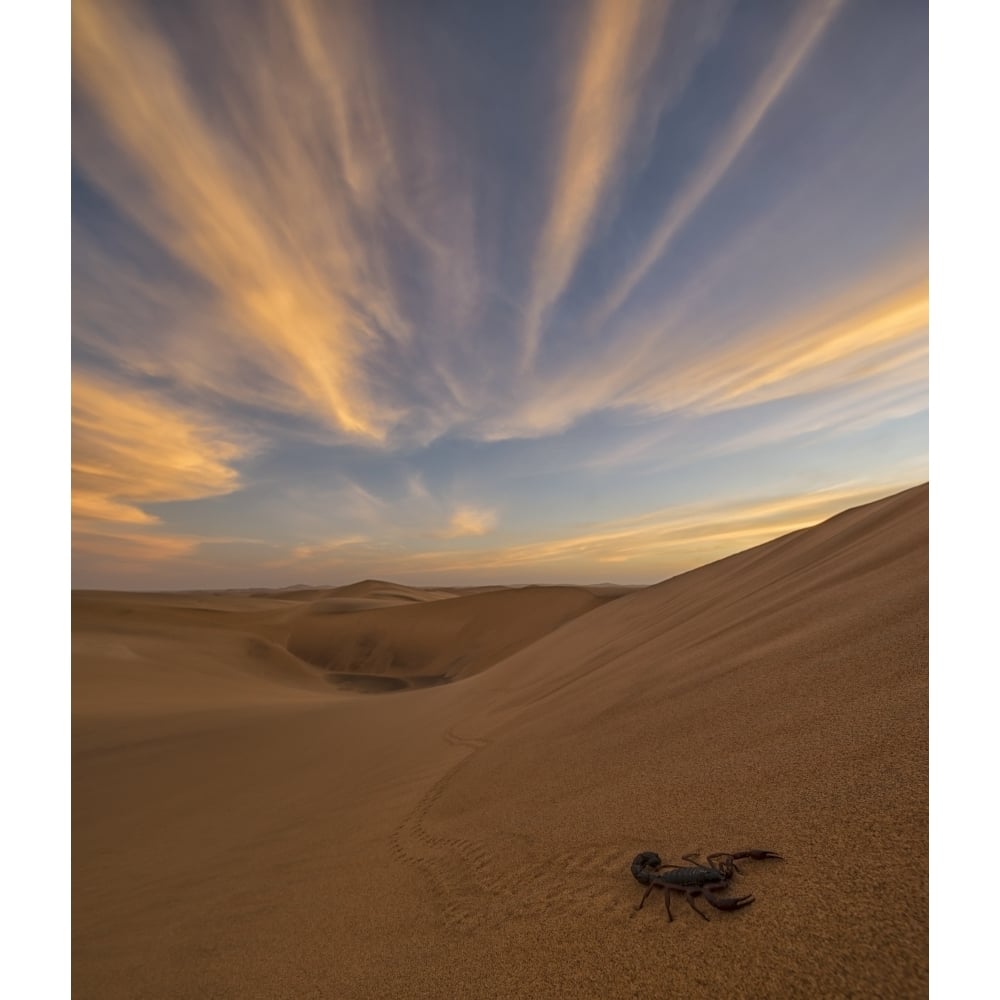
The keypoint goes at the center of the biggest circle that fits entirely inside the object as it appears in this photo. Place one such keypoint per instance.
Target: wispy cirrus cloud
(326, 548)
(309, 296)
(620, 86)
(674, 534)
(698, 526)
(810, 353)
(295, 219)
(308, 312)
(620, 42)
(839, 341)
(655, 544)
(803, 32)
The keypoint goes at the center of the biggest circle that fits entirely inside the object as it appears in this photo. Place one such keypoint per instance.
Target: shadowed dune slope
(454, 638)
(473, 840)
(164, 652)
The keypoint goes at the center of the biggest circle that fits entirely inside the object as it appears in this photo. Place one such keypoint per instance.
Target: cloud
(885, 396)
(619, 45)
(307, 295)
(131, 448)
(793, 49)
(809, 353)
(123, 549)
(663, 541)
(655, 544)
(312, 315)
(470, 521)
(416, 486)
(636, 59)
(838, 342)
(697, 526)
(294, 222)
(326, 548)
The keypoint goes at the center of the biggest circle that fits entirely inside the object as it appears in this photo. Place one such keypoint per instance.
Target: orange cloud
(687, 535)
(663, 541)
(130, 449)
(121, 550)
(854, 337)
(658, 543)
(470, 521)
(303, 310)
(809, 353)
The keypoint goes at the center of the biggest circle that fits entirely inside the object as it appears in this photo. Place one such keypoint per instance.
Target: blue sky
(466, 293)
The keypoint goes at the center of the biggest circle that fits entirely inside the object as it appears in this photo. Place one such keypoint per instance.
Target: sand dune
(267, 834)
(368, 590)
(449, 639)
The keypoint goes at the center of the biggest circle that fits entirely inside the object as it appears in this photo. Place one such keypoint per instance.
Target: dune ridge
(473, 839)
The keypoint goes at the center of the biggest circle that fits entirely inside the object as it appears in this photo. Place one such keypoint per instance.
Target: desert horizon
(382, 791)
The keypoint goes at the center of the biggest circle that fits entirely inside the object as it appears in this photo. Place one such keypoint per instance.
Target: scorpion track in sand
(476, 888)
(559, 884)
(456, 870)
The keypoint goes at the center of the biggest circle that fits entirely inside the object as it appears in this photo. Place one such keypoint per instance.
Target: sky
(459, 293)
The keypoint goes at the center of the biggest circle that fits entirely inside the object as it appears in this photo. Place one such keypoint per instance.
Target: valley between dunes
(384, 791)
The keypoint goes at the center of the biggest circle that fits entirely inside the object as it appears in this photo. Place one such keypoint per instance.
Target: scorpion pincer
(701, 879)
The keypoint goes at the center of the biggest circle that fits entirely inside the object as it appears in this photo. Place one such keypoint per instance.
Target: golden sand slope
(473, 839)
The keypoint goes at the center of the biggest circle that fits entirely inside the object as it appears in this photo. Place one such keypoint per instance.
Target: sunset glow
(489, 293)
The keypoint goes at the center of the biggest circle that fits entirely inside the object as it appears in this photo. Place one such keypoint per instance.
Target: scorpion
(705, 880)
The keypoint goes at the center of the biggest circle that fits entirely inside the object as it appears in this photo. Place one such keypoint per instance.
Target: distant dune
(367, 590)
(243, 827)
(166, 652)
(448, 639)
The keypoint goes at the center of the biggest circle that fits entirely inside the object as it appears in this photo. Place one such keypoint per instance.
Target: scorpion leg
(650, 888)
(693, 858)
(689, 896)
(666, 902)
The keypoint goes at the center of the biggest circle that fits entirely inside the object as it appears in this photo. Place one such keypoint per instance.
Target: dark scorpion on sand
(705, 880)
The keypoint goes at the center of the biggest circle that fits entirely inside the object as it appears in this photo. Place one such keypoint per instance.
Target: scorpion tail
(644, 866)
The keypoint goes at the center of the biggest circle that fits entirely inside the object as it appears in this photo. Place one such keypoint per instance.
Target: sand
(245, 828)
